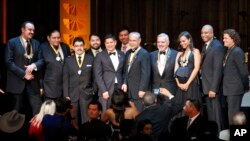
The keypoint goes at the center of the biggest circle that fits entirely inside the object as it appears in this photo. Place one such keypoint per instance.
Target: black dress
(183, 73)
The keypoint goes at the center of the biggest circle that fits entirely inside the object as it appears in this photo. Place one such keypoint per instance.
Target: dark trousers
(233, 105)
(28, 98)
(214, 111)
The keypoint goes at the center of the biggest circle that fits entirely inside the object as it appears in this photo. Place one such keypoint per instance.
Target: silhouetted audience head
(48, 107)
(94, 110)
(148, 99)
(239, 118)
(192, 107)
(119, 103)
(63, 105)
(145, 127)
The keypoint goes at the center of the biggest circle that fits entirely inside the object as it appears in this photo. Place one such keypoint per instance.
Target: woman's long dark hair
(188, 36)
(119, 103)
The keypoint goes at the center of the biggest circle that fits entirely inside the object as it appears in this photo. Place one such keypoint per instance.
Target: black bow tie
(110, 53)
(162, 52)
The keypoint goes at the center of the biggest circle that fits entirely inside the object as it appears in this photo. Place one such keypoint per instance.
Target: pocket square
(88, 65)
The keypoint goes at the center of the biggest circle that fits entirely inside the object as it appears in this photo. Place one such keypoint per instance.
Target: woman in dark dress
(187, 66)
(121, 116)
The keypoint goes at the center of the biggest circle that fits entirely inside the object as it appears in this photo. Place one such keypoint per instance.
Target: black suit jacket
(167, 80)
(235, 78)
(179, 129)
(160, 116)
(212, 66)
(15, 62)
(89, 52)
(53, 71)
(138, 77)
(75, 85)
(105, 72)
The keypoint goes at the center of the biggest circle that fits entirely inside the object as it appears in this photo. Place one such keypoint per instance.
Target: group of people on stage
(47, 71)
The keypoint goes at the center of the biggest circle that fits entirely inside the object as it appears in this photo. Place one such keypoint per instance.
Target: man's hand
(124, 88)
(141, 94)
(28, 76)
(105, 95)
(211, 94)
(30, 68)
(41, 92)
(165, 92)
(1, 91)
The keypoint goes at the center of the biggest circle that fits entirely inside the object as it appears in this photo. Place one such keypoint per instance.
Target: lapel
(120, 58)
(155, 62)
(167, 62)
(64, 50)
(108, 59)
(74, 64)
(19, 44)
(135, 58)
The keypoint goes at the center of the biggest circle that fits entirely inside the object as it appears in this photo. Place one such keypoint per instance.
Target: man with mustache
(23, 64)
(78, 81)
(95, 45)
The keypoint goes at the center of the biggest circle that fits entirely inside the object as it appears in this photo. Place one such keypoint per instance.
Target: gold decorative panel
(74, 20)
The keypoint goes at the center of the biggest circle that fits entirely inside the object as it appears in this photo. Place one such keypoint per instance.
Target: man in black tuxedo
(137, 70)
(190, 127)
(23, 64)
(108, 70)
(78, 80)
(162, 66)
(211, 74)
(53, 53)
(159, 115)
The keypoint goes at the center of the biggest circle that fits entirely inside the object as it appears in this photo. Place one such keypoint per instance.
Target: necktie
(28, 47)
(162, 52)
(111, 53)
(79, 60)
(124, 48)
(189, 123)
(205, 47)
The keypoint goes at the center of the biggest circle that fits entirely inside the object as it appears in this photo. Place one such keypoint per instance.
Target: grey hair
(239, 118)
(135, 34)
(164, 35)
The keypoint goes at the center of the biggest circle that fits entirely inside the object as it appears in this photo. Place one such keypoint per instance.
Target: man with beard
(95, 45)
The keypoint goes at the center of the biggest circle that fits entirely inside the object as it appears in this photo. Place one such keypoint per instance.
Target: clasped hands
(28, 72)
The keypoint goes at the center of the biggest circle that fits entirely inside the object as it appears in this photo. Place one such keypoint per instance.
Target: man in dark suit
(95, 45)
(124, 39)
(159, 115)
(191, 126)
(95, 48)
(78, 80)
(108, 69)
(162, 66)
(94, 128)
(211, 74)
(137, 70)
(53, 54)
(22, 62)
(235, 76)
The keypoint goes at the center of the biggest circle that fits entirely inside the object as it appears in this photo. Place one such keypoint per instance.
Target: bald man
(211, 73)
